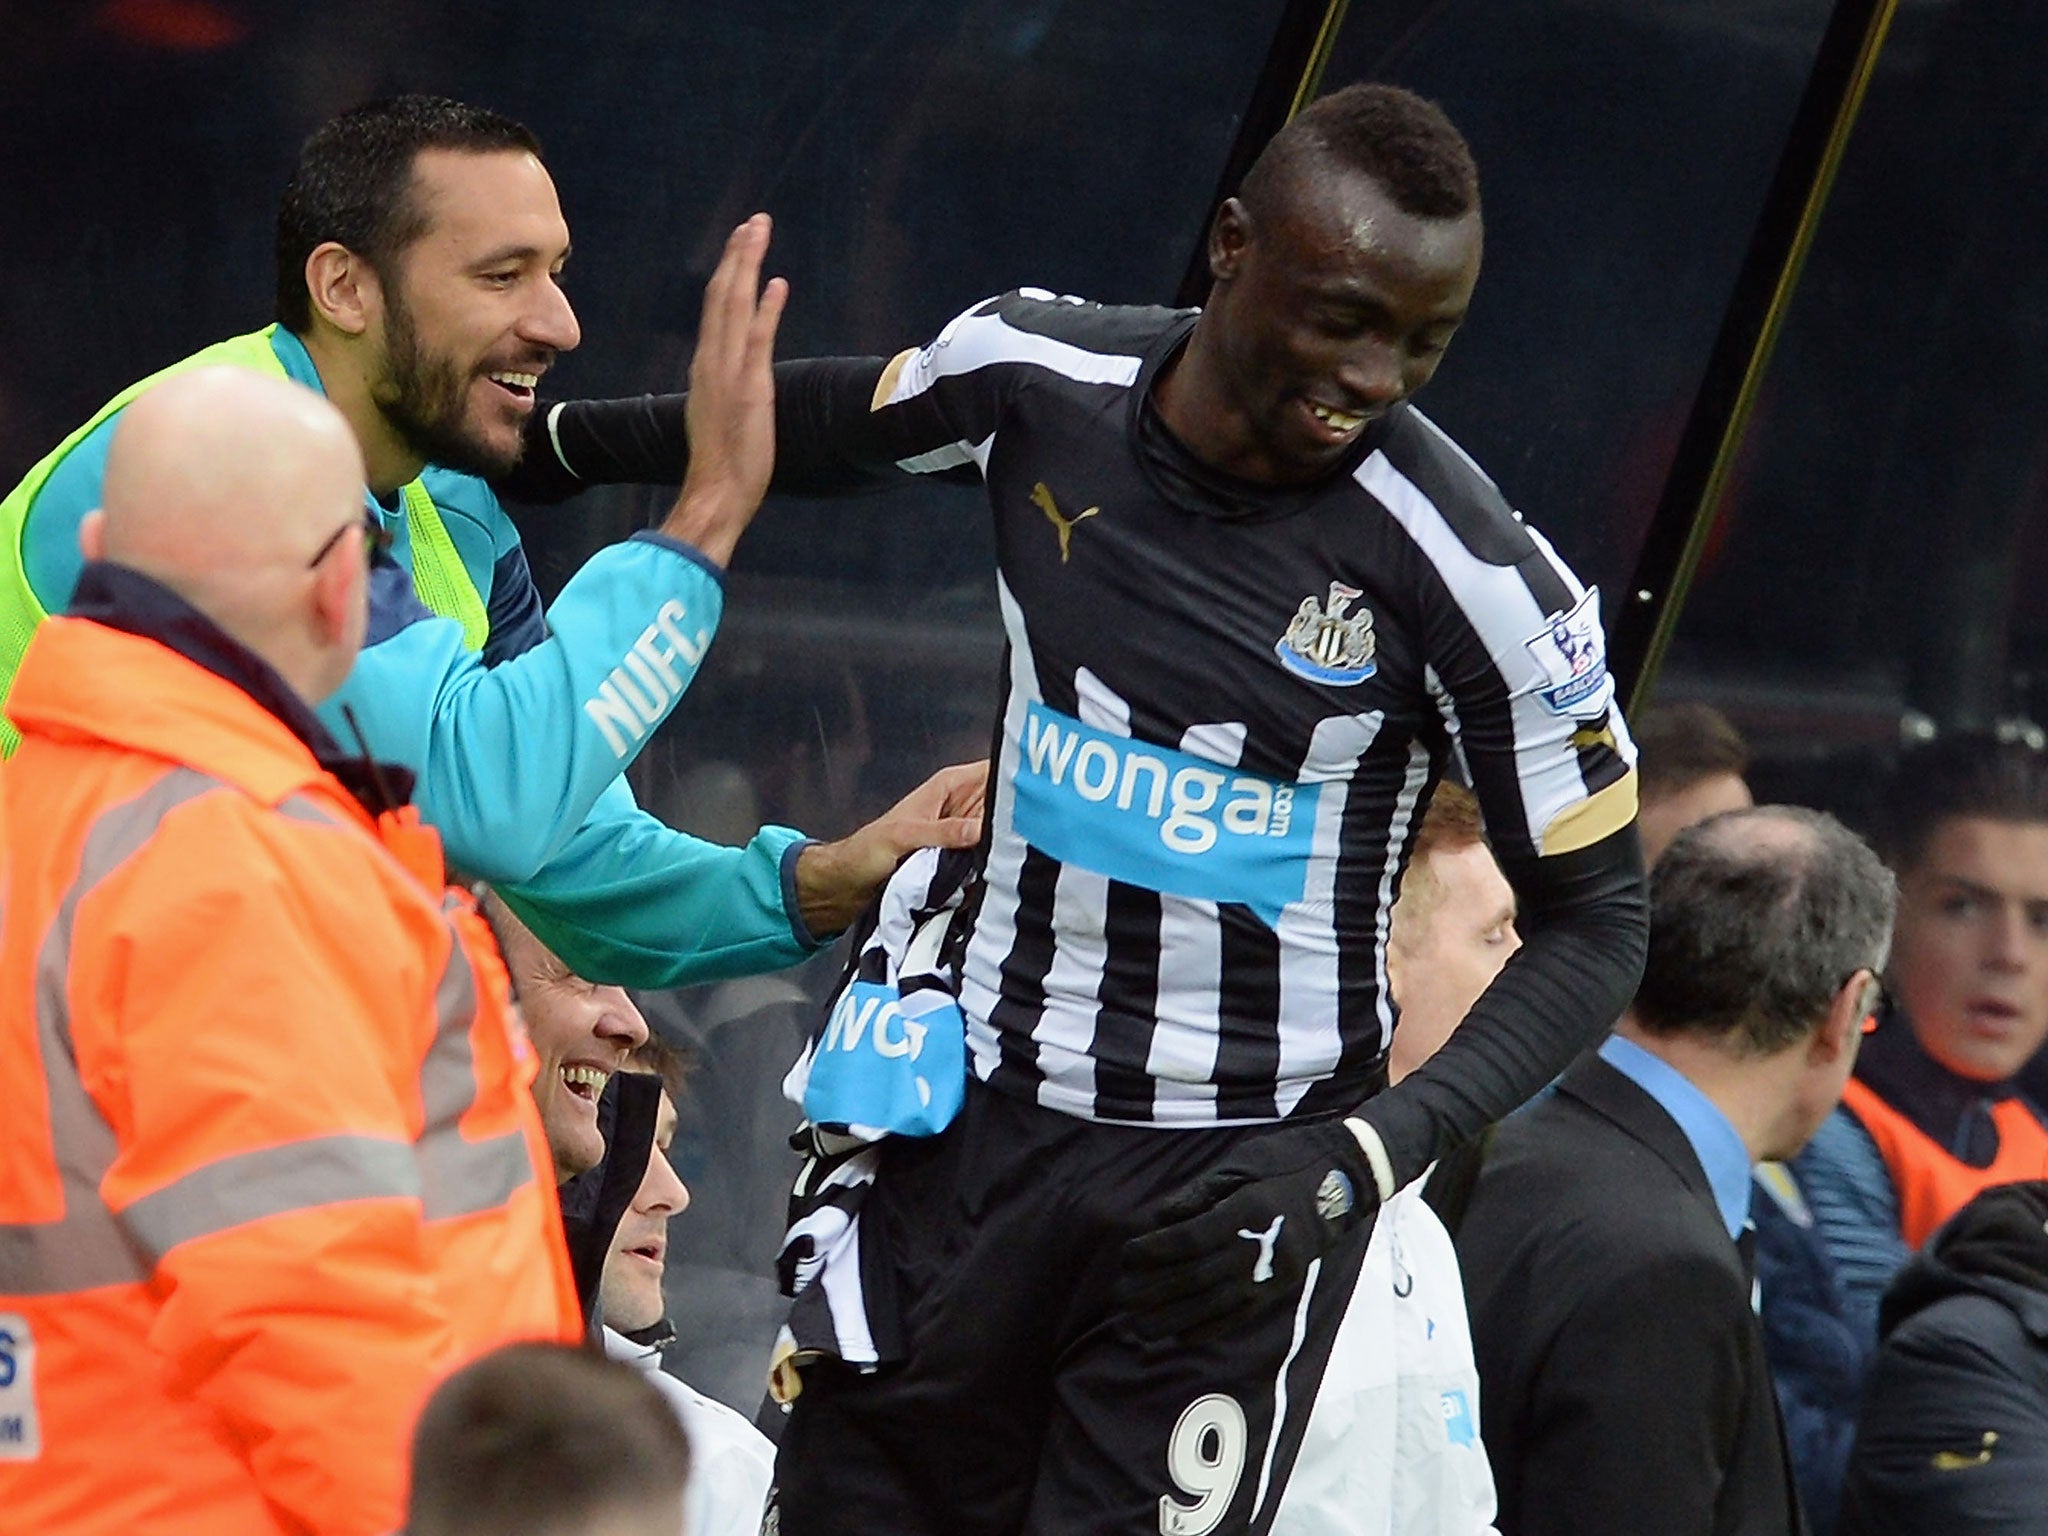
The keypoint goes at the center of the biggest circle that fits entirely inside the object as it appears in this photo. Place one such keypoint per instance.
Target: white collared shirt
(732, 1463)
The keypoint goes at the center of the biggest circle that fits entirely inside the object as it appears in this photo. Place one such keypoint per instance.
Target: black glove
(1245, 1233)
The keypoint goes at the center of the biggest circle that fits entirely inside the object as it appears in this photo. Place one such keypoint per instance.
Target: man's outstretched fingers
(957, 790)
(766, 317)
(730, 413)
(1165, 1303)
(1166, 1248)
(729, 297)
(835, 881)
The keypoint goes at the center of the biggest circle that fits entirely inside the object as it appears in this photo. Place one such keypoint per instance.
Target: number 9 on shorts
(1205, 1455)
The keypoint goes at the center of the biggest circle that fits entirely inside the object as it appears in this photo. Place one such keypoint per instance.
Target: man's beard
(425, 398)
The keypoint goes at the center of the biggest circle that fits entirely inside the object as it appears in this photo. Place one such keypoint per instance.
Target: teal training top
(519, 751)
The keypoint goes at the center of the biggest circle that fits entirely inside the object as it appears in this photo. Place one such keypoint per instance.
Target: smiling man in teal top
(420, 251)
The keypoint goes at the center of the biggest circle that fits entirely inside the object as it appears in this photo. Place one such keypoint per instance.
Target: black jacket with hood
(595, 1201)
(1954, 1435)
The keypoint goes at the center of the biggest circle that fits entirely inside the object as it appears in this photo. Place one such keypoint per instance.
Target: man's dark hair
(1757, 917)
(542, 1438)
(353, 185)
(1401, 141)
(1971, 773)
(1678, 745)
(672, 1064)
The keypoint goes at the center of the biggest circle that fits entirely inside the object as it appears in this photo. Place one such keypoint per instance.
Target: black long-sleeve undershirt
(1585, 923)
(575, 444)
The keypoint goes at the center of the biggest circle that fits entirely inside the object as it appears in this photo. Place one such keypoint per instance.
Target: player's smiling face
(474, 310)
(1331, 307)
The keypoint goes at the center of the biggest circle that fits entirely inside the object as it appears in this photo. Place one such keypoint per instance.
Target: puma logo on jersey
(1042, 497)
(1262, 1271)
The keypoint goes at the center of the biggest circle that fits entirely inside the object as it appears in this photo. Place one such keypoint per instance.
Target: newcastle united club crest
(1328, 644)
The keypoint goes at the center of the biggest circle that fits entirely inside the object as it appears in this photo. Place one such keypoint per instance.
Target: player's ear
(342, 288)
(1229, 234)
(1842, 1026)
(340, 593)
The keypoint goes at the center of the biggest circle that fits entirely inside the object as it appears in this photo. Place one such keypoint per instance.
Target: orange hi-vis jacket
(269, 1162)
(1931, 1182)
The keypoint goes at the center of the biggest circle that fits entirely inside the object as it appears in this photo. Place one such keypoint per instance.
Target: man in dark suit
(1623, 1384)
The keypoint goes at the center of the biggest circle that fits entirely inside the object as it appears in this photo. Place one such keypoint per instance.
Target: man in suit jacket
(1623, 1384)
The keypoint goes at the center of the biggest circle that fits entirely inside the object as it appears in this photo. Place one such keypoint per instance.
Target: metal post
(1641, 624)
(1301, 49)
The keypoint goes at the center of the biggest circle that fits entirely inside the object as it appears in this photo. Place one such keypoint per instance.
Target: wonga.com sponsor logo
(1162, 819)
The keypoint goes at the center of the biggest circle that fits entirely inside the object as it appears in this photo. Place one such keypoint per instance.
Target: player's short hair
(1403, 142)
(1757, 917)
(1452, 822)
(542, 1438)
(1971, 773)
(1680, 745)
(353, 185)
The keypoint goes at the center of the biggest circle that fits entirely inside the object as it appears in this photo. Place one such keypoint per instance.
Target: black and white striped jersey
(1225, 709)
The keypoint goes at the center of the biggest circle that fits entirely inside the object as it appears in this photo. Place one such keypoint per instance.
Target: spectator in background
(583, 1034)
(271, 1168)
(1932, 1116)
(1954, 1439)
(732, 1462)
(599, 1118)
(537, 1440)
(1392, 1441)
(1452, 929)
(1692, 763)
(1624, 1386)
(606, 1095)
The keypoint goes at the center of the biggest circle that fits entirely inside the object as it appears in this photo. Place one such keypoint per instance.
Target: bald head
(223, 484)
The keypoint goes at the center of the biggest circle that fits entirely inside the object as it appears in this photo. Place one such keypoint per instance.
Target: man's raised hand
(836, 881)
(731, 409)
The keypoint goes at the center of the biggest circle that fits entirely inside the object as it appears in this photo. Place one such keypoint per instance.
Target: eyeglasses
(376, 540)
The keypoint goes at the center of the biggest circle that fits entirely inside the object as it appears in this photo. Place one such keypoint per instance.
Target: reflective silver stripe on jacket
(90, 1246)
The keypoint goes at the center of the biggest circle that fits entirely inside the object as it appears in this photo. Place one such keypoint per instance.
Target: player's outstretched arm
(1307, 1186)
(843, 425)
(633, 902)
(822, 443)
(836, 882)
